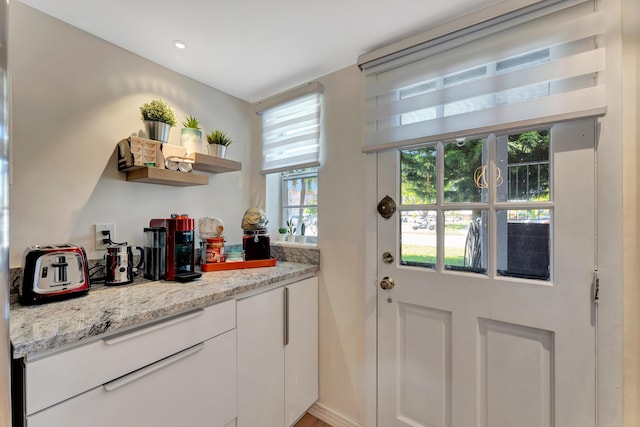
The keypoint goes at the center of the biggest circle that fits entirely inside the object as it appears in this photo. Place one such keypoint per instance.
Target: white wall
(341, 211)
(631, 208)
(74, 97)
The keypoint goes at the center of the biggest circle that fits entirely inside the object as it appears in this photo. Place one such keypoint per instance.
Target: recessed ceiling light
(179, 44)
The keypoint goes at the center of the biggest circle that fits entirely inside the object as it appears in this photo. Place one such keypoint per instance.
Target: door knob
(387, 283)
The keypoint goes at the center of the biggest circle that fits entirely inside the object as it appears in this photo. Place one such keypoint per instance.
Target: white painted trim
(610, 227)
(331, 417)
(370, 284)
(631, 248)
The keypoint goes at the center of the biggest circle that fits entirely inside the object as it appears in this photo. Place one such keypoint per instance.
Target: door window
(470, 204)
(464, 240)
(465, 167)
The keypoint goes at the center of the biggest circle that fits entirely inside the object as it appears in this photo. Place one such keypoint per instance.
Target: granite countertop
(43, 327)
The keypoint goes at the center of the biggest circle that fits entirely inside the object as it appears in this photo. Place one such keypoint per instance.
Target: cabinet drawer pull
(286, 316)
(128, 335)
(134, 376)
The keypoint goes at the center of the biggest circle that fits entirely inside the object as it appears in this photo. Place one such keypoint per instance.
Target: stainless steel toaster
(53, 272)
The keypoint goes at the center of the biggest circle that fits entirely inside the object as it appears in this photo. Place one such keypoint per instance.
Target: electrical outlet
(99, 236)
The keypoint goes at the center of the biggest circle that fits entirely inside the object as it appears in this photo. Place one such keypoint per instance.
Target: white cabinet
(180, 371)
(260, 329)
(277, 354)
(301, 351)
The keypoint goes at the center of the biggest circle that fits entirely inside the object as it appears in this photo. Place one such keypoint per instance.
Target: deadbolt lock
(387, 258)
(386, 207)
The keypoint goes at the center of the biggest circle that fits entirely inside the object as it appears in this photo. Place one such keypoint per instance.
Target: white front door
(492, 252)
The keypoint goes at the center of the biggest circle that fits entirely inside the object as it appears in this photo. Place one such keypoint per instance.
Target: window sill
(293, 244)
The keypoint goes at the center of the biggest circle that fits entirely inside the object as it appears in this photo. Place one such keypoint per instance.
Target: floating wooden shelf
(167, 177)
(213, 164)
(134, 151)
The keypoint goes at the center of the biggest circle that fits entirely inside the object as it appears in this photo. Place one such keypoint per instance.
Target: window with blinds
(291, 134)
(541, 67)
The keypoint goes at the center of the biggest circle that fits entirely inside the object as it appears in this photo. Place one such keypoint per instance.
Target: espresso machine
(179, 248)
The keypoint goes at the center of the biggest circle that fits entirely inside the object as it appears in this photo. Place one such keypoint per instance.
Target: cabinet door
(260, 326)
(301, 351)
(195, 387)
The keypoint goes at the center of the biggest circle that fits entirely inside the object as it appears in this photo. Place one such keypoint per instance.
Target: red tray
(219, 266)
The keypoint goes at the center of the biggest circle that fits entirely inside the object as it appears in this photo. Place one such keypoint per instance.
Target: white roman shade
(540, 66)
(291, 126)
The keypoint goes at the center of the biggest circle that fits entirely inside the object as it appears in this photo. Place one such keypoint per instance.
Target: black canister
(154, 252)
(256, 244)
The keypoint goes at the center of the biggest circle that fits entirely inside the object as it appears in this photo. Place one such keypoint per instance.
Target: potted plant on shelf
(158, 118)
(218, 143)
(191, 135)
(301, 238)
(283, 233)
(291, 231)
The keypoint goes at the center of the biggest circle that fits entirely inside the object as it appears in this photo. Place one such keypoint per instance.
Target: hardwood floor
(310, 421)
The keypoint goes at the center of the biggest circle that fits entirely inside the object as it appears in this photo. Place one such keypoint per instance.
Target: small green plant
(282, 230)
(159, 111)
(302, 227)
(291, 229)
(218, 137)
(191, 122)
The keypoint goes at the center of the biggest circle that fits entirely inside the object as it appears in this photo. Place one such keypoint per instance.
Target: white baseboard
(331, 417)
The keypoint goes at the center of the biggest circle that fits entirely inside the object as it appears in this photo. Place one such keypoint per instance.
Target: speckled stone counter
(106, 309)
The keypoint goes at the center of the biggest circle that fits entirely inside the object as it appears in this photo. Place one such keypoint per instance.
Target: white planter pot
(191, 139)
(301, 239)
(291, 238)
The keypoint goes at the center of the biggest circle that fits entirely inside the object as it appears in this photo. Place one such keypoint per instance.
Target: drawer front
(193, 388)
(60, 376)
